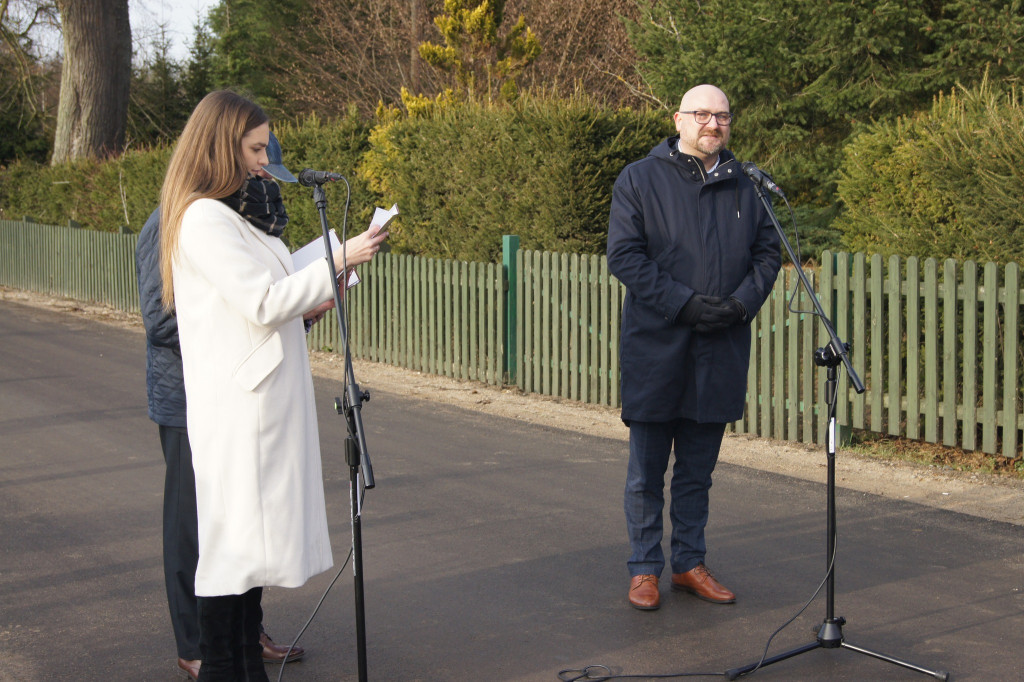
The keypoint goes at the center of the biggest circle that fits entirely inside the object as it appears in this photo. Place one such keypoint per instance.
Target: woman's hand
(360, 249)
(317, 313)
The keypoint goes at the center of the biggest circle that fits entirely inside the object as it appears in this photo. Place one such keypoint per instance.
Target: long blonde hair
(207, 163)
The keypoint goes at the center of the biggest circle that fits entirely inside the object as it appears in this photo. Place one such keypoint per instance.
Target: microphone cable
(343, 312)
(309, 621)
(588, 674)
(796, 287)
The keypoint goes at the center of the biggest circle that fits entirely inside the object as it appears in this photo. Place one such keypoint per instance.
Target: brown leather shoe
(274, 653)
(188, 669)
(643, 592)
(700, 582)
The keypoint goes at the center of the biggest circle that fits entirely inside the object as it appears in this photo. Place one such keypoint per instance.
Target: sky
(177, 16)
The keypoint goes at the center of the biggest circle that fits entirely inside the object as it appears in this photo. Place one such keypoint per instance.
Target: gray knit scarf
(259, 201)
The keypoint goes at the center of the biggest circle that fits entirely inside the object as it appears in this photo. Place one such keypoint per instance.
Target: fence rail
(938, 345)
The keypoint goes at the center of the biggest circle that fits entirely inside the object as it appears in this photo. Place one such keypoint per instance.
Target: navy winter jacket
(676, 231)
(165, 385)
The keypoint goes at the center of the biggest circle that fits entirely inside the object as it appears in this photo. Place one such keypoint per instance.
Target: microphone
(759, 177)
(310, 177)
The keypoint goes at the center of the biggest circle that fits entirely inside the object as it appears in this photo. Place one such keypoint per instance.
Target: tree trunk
(414, 46)
(94, 79)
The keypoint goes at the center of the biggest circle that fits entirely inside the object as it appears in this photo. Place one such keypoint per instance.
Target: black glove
(722, 315)
(696, 307)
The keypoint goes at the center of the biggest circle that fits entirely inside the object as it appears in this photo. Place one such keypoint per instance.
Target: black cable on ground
(316, 609)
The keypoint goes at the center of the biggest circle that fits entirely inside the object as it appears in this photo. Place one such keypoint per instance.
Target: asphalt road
(494, 549)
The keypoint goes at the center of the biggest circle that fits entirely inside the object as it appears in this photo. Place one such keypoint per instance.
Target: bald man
(698, 254)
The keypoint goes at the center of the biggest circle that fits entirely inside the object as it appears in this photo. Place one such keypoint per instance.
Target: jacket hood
(693, 168)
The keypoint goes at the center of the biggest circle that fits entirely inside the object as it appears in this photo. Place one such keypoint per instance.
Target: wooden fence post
(509, 248)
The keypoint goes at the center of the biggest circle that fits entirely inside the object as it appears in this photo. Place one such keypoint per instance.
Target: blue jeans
(650, 445)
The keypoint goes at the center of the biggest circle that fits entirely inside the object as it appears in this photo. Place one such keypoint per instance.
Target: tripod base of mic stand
(830, 636)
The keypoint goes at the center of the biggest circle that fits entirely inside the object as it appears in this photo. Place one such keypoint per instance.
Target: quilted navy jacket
(674, 231)
(165, 386)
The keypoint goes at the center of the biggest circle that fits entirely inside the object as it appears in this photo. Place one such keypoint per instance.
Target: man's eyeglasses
(724, 118)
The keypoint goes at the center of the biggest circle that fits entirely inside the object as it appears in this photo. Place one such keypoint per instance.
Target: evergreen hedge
(105, 195)
(336, 145)
(465, 173)
(803, 76)
(944, 183)
(99, 195)
(462, 173)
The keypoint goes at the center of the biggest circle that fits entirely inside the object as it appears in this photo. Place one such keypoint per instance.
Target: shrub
(124, 191)
(336, 146)
(944, 183)
(464, 173)
(804, 75)
(98, 195)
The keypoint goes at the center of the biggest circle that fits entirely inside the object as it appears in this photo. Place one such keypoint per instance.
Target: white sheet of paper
(315, 250)
(383, 217)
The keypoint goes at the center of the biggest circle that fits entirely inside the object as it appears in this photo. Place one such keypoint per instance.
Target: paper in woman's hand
(315, 250)
(382, 217)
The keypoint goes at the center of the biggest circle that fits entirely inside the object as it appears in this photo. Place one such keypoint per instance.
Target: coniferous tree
(157, 110)
(481, 61)
(198, 76)
(250, 43)
(803, 76)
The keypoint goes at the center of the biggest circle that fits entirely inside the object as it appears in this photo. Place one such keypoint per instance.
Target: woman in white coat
(251, 418)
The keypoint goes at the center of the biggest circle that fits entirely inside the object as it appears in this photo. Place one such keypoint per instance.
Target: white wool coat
(251, 416)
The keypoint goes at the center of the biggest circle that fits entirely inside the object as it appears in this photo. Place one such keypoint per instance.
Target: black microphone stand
(830, 635)
(355, 443)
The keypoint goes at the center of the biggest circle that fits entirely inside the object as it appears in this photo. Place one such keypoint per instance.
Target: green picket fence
(66, 261)
(938, 345)
(435, 316)
(940, 354)
(568, 327)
